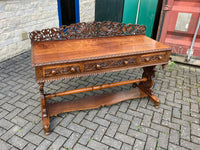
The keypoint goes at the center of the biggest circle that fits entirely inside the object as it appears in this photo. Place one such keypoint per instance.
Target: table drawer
(60, 70)
(154, 58)
(90, 67)
(110, 63)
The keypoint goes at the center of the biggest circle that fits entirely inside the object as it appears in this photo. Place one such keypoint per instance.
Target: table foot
(154, 99)
(47, 133)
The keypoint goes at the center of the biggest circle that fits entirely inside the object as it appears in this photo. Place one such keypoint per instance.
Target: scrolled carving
(87, 30)
(153, 58)
(61, 71)
(149, 73)
(109, 64)
(45, 34)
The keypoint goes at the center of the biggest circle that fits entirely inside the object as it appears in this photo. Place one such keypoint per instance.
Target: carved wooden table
(87, 49)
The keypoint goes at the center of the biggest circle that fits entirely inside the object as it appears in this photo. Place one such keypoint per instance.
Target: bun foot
(156, 106)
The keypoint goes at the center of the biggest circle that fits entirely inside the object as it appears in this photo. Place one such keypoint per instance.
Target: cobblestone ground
(132, 124)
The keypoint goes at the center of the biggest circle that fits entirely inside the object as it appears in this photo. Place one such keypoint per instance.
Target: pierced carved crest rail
(87, 30)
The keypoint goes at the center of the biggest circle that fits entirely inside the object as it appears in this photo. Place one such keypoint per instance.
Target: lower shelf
(93, 101)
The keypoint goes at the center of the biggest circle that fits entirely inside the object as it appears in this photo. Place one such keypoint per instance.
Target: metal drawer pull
(147, 59)
(98, 66)
(126, 62)
(73, 69)
(160, 57)
(53, 72)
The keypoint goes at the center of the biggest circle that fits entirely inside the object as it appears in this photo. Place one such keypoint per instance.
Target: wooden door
(109, 10)
(141, 12)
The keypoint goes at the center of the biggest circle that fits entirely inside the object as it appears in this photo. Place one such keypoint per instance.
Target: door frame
(77, 15)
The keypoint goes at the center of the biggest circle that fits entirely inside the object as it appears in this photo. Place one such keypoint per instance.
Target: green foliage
(139, 127)
(18, 130)
(157, 143)
(172, 66)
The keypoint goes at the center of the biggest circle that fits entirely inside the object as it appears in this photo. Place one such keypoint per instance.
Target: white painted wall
(87, 10)
(17, 16)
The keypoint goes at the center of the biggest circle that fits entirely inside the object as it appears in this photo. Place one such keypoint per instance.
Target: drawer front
(153, 58)
(110, 63)
(60, 70)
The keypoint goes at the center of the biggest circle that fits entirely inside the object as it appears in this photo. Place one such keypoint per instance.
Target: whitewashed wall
(17, 16)
(87, 10)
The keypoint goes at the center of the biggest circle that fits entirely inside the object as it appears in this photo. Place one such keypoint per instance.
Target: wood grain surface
(94, 101)
(55, 52)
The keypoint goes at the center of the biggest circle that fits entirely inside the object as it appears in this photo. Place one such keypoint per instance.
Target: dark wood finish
(94, 101)
(93, 88)
(55, 52)
(44, 112)
(60, 53)
(87, 30)
(149, 73)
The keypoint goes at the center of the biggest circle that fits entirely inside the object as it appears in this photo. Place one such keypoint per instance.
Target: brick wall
(18, 16)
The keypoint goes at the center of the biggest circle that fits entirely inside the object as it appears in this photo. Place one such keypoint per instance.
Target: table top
(55, 52)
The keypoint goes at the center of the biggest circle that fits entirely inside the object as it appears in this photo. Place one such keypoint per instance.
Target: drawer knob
(147, 59)
(98, 66)
(126, 62)
(73, 69)
(160, 57)
(53, 72)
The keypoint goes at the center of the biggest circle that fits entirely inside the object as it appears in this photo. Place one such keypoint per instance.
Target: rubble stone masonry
(18, 18)
(87, 10)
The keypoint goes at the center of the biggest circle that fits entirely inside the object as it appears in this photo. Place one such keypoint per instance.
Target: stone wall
(87, 10)
(18, 17)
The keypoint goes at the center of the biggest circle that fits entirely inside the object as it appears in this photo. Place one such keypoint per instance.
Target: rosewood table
(91, 48)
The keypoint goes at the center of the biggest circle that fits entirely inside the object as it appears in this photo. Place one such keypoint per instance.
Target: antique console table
(84, 49)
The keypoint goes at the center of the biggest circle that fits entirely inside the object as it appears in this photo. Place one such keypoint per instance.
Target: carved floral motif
(149, 73)
(153, 58)
(87, 30)
(61, 71)
(109, 64)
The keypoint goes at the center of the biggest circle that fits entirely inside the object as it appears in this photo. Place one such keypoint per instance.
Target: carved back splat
(87, 30)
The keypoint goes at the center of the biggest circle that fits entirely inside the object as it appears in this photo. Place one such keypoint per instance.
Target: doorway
(68, 11)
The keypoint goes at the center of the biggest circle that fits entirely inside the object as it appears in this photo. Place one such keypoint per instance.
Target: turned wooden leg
(149, 73)
(45, 116)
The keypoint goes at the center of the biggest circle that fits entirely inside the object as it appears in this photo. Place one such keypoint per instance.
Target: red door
(180, 21)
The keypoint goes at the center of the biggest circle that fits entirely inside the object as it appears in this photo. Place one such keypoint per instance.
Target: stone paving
(133, 124)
